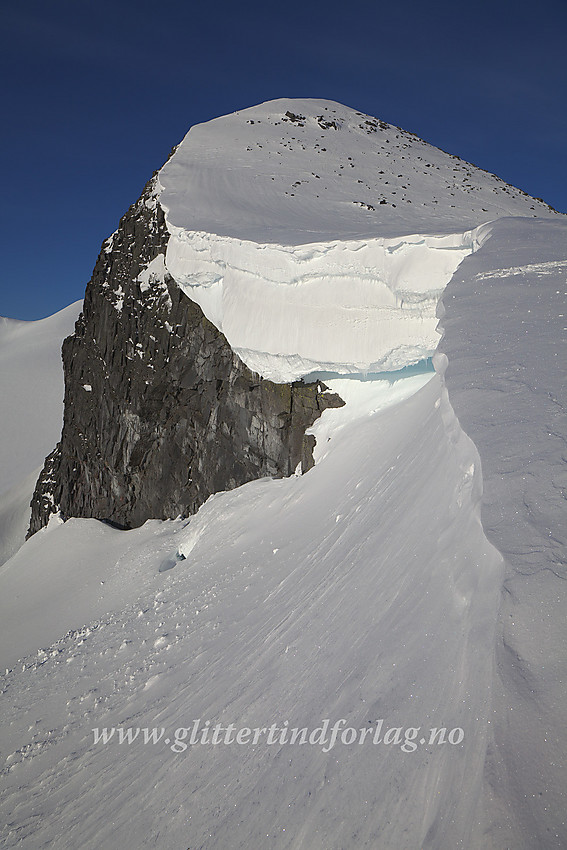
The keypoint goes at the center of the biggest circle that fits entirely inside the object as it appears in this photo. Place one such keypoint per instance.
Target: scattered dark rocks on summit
(159, 411)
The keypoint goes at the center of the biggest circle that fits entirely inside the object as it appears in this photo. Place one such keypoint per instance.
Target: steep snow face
(303, 229)
(342, 306)
(507, 380)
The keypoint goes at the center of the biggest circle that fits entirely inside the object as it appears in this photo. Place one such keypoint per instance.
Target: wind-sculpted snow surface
(343, 306)
(364, 591)
(297, 171)
(31, 388)
(505, 323)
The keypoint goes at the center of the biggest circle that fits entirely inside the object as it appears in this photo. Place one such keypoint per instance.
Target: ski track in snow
(551, 267)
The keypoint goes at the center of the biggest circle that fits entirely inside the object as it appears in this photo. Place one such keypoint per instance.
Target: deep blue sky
(97, 93)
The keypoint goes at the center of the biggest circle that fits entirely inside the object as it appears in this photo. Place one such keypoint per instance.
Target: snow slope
(507, 380)
(318, 238)
(31, 389)
(260, 175)
(365, 590)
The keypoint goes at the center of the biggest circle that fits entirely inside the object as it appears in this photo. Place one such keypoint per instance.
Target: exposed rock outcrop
(159, 411)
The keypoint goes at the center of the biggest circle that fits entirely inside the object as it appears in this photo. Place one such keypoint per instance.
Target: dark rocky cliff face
(159, 411)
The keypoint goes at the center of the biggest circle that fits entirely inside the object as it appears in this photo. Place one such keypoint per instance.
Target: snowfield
(31, 389)
(412, 581)
(292, 172)
(338, 594)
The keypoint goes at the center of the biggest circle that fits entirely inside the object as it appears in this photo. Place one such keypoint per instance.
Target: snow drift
(344, 306)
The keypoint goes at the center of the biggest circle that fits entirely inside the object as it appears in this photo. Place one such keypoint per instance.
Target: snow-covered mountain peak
(317, 238)
(293, 171)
